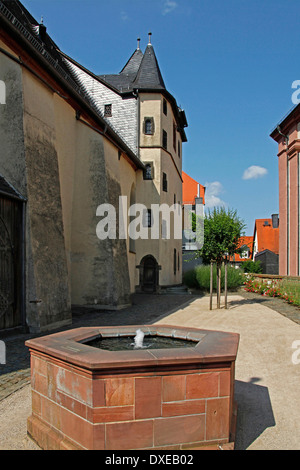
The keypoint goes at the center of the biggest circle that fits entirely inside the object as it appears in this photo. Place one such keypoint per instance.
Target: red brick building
(287, 135)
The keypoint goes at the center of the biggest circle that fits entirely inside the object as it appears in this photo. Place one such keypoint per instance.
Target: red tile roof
(190, 189)
(267, 236)
(248, 241)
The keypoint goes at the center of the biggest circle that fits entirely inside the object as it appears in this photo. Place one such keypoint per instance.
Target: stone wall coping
(211, 347)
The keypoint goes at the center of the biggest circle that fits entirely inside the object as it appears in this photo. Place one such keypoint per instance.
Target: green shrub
(189, 278)
(250, 266)
(203, 277)
(235, 277)
(290, 291)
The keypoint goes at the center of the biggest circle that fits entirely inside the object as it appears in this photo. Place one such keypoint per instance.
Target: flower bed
(286, 290)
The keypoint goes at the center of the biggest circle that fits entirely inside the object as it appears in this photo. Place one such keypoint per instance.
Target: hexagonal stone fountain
(107, 388)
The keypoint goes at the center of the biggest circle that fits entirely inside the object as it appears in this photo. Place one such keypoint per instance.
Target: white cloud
(212, 195)
(169, 6)
(254, 172)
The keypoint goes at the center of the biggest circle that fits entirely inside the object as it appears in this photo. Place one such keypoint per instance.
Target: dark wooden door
(149, 281)
(10, 262)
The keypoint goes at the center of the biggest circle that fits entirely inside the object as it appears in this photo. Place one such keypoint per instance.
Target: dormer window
(107, 110)
(149, 126)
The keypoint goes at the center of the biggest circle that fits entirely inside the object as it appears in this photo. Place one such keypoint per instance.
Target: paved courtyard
(267, 379)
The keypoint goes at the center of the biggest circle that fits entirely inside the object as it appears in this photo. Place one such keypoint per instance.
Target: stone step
(176, 290)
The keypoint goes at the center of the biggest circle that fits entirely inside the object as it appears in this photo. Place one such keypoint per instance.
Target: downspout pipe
(286, 137)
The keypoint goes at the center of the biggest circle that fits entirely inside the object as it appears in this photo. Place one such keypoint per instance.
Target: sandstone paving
(267, 380)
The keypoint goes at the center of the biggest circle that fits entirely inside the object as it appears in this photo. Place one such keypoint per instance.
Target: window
(131, 218)
(164, 234)
(149, 126)
(108, 110)
(179, 149)
(148, 172)
(165, 107)
(165, 182)
(175, 259)
(165, 140)
(245, 252)
(147, 218)
(174, 135)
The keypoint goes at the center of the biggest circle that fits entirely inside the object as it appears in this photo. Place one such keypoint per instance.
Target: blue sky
(229, 64)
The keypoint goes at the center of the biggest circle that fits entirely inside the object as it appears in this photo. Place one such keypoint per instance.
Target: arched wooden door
(149, 274)
(10, 262)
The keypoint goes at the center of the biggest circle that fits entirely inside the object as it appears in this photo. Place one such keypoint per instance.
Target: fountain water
(139, 339)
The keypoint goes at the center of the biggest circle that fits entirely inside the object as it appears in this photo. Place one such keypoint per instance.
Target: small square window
(108, 110)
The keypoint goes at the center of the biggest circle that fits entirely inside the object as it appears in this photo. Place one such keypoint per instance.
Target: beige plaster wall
(164, 161)
(44, 208)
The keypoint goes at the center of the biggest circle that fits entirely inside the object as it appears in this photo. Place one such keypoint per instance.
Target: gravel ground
(16, 408)
(14, 411)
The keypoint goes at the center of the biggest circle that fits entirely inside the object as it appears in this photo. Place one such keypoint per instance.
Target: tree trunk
(225, 286)
(218, 285)
(211, 286)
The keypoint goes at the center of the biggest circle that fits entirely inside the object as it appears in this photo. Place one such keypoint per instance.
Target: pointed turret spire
(133, 64)
(149, 75)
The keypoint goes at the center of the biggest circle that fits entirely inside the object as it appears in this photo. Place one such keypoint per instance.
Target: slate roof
(140, 72)
(33, 31)
(149, 75)
(33, 36)
(133, 64)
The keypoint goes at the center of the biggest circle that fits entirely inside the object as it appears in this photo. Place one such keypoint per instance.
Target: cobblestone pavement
(145, 309)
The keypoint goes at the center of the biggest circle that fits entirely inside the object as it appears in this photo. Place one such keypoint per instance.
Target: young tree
(222, 231)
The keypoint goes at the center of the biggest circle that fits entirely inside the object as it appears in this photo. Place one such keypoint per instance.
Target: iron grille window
(108, 110)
